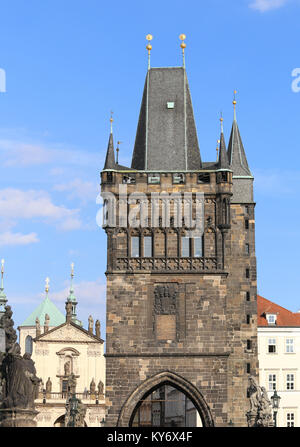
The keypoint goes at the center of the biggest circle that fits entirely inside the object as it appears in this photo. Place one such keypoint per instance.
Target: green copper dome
(46, 307)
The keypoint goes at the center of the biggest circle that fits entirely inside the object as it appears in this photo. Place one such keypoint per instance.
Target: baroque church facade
(62, 349)
(181, 309)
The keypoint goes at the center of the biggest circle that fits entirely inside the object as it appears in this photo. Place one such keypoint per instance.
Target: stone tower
(181, 310)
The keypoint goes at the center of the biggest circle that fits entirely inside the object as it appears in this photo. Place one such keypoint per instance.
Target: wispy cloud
(19, 153)
(16, 204)
(79, 189)
(267, 5)
(10, 238)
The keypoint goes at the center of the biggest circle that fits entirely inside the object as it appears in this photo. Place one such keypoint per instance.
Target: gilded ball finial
(182, 37)
(149, 37)
(234, 100)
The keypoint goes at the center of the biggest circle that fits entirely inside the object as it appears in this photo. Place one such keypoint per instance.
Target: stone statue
(72, 382)
(19, 380)
(48, 386)
(260, 414)
(91, 323)
(100, 388)
(92, 387)
(19, 383)
(37, 327)
(68, 311)
(67, 368)
(98, 331)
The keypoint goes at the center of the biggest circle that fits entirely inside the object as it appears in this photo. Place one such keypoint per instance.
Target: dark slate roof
(110, 154)
(223, 158)
(236, 153)
(166, 138)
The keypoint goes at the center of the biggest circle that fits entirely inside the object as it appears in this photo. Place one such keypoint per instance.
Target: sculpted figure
(37, 327)
(72, 384)
(97, 326)
(100, 388)
(92, 387)
(67, 368)
(91, 323)
(48, 386)
(254, 394)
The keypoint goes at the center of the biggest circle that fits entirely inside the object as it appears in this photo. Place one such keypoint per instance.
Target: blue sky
(68, 64)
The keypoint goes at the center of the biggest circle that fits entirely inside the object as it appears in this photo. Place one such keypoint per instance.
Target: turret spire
(110, 153)
(72, 299)
(223, 158)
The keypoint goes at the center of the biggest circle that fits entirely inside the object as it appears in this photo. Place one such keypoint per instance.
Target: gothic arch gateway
(165, 378)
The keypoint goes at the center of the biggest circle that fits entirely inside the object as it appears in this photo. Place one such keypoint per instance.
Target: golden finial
(221, 120)
(149, 37)
(111, 121)
(72, 270)
(234, 103)
(182, 37)
(47, 280)
(118, 143)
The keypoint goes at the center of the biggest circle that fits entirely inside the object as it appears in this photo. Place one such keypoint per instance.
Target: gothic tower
(181, 309)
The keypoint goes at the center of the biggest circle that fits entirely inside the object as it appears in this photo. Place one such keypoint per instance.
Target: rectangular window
(135, 247)
(148, 246)
(249, 345)
(272, 382)
(203, 178)
(247, 296)
(185, 247)
(289, 345)
(247, 209)
(248, 319)
(246, 224)
(198, 247)
(248, 368)
(247, 273)
(290, 382)
(290, 420)
(272, 345)
(247, 249)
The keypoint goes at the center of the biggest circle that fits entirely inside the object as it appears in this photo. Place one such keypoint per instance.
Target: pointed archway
(165, 378)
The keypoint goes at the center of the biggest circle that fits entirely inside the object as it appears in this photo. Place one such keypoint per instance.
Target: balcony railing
(63, 395)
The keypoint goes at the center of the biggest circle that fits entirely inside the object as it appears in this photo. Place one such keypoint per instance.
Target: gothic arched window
(28, 344)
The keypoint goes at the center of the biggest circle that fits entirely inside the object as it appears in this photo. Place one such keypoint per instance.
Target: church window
(198, 247)
(135, 246)
(185, 247)
(147, 246)
(28, 344)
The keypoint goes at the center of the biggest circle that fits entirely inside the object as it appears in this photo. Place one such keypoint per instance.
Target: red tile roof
(284, 316)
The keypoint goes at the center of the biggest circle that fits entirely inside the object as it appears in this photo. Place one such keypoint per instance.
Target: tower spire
(234, 105)
(3, 299)
(72, 299)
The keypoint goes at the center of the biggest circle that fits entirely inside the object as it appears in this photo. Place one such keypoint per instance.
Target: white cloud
(9, 238)
(18, 153)
(79, 189)
(267, 5)
(85, 291)
(16, 204)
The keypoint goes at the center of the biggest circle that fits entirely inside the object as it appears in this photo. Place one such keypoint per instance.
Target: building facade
(279, 358)
(181, 308)
(60, 348)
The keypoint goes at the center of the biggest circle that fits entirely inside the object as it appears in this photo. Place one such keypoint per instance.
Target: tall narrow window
(247, 249)
(290, 382)
(290, 420)
(198, 247)
(185, 247)
(247, 273)
(289, 345)
(248, 368)
(247, 296)
(135, 246)
(272, 382)
(248, 319)
(249, 345)
(28, 344)
(246, 224)
(147, 246)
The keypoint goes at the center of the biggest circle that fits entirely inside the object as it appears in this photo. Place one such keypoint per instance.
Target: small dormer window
(170, 105)
(271, 318)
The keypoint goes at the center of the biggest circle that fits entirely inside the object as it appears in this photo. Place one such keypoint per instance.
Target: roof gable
(68, 331)
(285, 318)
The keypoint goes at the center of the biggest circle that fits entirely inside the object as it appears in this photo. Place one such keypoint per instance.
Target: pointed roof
(166, 137)
(236, 153)
(223, 158)
(110, 154)
(46, 307)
